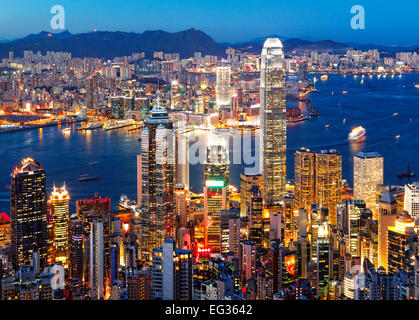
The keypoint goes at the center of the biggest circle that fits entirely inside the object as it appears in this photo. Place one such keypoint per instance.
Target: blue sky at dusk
(386, 22)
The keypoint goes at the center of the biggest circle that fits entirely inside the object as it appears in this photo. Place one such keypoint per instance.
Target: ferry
(119, 124)
(66, 130)
(356, 133)
(398, 136)
(323, 77)
(93, 125)
(125, 203)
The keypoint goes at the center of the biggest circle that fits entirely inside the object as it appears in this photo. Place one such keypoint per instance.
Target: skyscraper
(59, 200)
(329, 181)
(156, 178)
(368, 173)
(96, 263)
(28, 213)
(222, 90)
(411, 199)
(216, 180)
(304, 177)
(172, 272)
(75, 248)
(246, 183)
(273, 121)
(387, 213)
(402, 244)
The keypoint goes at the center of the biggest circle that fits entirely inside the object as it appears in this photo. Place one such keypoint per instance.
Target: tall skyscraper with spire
(155, 180)
(28, 213)
(273, 138)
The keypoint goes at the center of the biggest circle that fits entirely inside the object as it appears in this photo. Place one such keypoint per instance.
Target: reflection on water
(112, 154)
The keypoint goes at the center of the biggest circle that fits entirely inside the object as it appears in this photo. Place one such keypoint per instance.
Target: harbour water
(386, 108)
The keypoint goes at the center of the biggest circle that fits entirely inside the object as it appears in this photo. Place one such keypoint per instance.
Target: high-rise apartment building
(96, 263)
(273, 122)
(171, 273)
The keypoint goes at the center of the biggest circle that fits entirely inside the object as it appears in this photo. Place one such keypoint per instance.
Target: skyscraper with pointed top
(273, 138)
(156, 166)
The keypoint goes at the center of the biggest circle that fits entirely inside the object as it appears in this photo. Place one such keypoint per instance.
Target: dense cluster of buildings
(314, 238)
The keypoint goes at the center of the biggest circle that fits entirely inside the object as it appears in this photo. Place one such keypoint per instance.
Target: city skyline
(226, 175)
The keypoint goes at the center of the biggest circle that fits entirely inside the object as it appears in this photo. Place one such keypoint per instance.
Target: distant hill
(107, 44)
(297, 45)
(104, 44)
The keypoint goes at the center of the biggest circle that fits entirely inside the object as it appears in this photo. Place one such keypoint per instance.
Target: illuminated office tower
(323, 258)
(216, 179)
(4, 230)
(255, 217)
(387, 213)
(273, 140)
(304, 177)
(368, 173)
(96, 263)
(329, 181)
(156, 178)
(354, 224)
(75, 243)
(411, 199)
(222, 90)
(172, 273)
(59, 200)
(28, 213)
(181, 194)
(417, 277)
(246, 183)
(402, 244)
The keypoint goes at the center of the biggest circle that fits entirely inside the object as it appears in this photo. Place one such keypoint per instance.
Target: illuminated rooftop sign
(215, 183)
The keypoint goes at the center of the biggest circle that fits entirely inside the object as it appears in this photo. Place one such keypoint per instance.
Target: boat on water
(66, 130)
(417, 85)
(408, 174)
(119, 124)
(125, 203)
(324, 77)
(85, 177)
(327, 126)
(357, 133)
(344, 92)
(93, 125)
(398, 136)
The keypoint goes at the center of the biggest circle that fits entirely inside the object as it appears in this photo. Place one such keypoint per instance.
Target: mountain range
(110, 44)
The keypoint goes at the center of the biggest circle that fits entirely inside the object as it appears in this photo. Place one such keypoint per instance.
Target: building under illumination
(411, 199)
(156, 180)
(304, 178)
(402, 244)
(59, 202)
(246, 183)
(368, 173)
(216, 180)
(273, 140)
(222, 90)
(28, 213)
(329, 181)
(96, 263)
